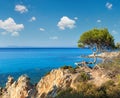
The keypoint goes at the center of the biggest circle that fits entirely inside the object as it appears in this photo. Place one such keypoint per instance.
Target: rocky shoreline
(49, 85)
(106, 55)
(60, 79)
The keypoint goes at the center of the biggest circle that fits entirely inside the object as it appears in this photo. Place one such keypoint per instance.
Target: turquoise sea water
(37, 61)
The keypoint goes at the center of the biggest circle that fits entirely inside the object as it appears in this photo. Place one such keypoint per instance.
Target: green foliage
(110, 89)
(70, 68)
(88, 90)
(118, 45)
(66, 67)
(118, 79)
(68, 93)
(80, 45)
(99, 38)
(107, 84)
(85, 89)
(112, 68)
(83, 77)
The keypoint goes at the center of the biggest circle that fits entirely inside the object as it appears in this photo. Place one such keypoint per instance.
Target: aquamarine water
(37, 61)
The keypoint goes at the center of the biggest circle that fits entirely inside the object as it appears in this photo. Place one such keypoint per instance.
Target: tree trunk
(95, 54)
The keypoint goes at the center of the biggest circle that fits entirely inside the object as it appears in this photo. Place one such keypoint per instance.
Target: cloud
(76, 18)
(32, 19)
(114, 32)
(15, 34)
(109, 5)
(21, 8)
(99, 21)
(42, 29)
(53, 37)
(9, 26)
(66, 22)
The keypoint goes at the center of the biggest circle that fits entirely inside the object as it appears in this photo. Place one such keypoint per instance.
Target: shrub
(84, 76)
(69, 93)
(66, 67)
(88, 90)
(70, 68)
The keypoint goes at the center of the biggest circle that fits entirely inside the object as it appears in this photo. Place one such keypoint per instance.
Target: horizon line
(38, 47)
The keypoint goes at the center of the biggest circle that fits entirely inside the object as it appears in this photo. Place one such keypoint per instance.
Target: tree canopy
(98, 39)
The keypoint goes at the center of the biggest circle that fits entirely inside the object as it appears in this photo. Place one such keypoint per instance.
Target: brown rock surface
(107, 55)
(17, 89)
(50, 84)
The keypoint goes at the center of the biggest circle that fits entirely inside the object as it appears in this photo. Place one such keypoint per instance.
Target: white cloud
(99, 21)
(66, 22)
(15, 34)
(21, 8)
(32, 19)
(9, 26)
(76, 18)
(53, 37)
(114, 32)
(109, 5)
(42, 29)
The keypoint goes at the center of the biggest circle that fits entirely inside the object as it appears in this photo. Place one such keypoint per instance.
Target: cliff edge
(53, 82)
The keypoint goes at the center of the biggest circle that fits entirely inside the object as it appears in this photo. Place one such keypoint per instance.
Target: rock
(49, 85)
(18, 89)
(10, 81)
(105, 55)
(0, 91)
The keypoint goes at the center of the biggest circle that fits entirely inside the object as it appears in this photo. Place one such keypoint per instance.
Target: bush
(117, 45)
(66, 67)
(112, 68)
(84, 77)
(88, 90)
(118, 79)
(69, 93)
(70, 68)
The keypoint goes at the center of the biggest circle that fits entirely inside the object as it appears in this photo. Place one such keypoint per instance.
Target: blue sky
(55, 23)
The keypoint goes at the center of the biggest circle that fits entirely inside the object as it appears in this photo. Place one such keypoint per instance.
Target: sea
(36, 62)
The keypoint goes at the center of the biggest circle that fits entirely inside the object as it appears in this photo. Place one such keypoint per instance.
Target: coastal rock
(105, 55)
(60, 79)
(18, 89)
(9, 82)
(0, 91)
(51, 84)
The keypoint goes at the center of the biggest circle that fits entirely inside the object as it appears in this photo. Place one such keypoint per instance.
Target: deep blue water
(21, 59)
(37, 61)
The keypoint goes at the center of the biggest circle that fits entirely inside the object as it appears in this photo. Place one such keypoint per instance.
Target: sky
(55, 23)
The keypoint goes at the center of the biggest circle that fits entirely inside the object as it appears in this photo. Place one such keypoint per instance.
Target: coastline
(49, 85)
(65, 78)
(106, 55)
